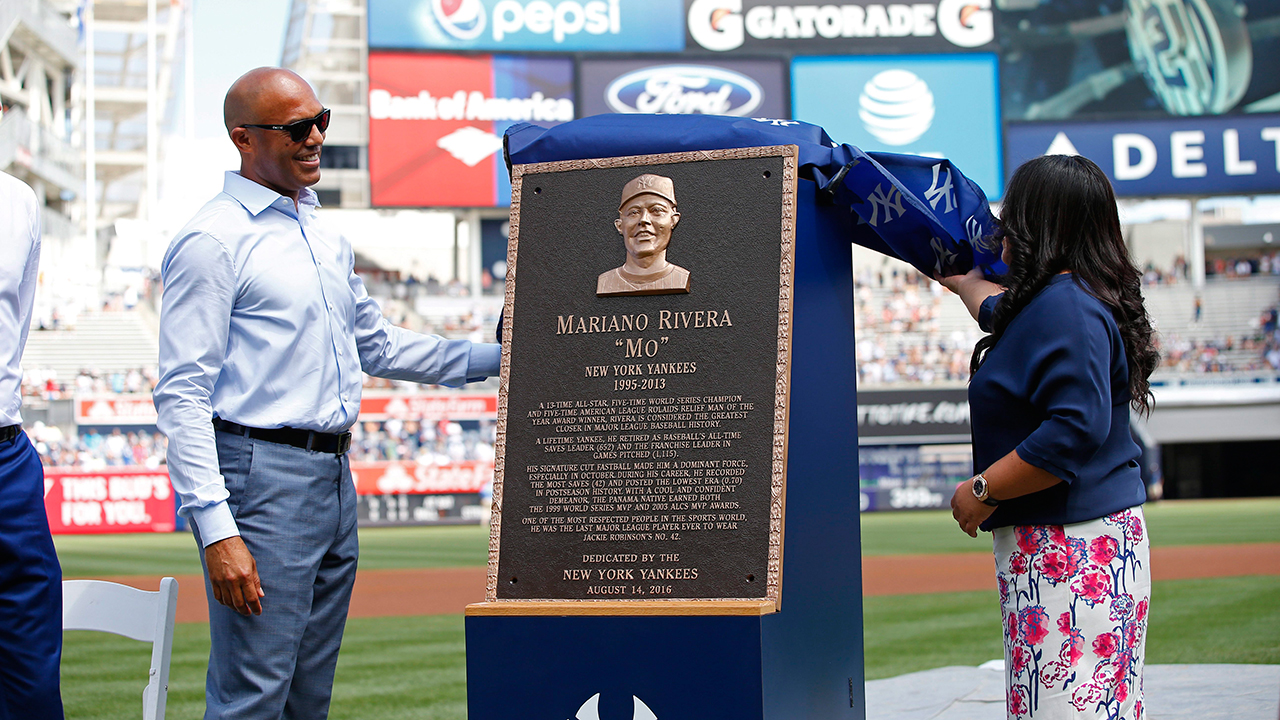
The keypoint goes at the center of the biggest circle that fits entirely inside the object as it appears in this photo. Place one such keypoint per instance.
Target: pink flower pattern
(1103, 549)
(1093, 587)
(1084, 591)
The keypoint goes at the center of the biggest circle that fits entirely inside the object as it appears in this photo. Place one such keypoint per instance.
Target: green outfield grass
(175, 553)
(1183, 522)
(1175, 522)
(414, 667)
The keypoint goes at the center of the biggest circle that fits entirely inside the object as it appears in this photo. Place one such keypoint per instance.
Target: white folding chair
(133, 613)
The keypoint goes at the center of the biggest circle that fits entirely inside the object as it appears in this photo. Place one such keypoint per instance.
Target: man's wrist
(214, 522)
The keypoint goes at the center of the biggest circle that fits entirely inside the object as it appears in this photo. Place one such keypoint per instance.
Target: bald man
(264, 332)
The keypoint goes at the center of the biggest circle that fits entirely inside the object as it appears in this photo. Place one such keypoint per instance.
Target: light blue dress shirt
(265, 323)
(19, 258)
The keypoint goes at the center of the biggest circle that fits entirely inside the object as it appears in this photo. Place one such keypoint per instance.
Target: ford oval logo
(684, 90)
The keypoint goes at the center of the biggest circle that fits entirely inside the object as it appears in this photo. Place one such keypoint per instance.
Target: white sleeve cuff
(485, 361)
(214, 522)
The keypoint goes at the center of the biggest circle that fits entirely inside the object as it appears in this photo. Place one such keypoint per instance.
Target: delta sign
(1225, 155)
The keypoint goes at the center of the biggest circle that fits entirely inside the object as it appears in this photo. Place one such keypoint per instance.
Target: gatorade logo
(724, 25)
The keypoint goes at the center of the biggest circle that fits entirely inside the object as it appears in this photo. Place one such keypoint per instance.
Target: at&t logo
(463, 19)
(684, 89)
(896, 107)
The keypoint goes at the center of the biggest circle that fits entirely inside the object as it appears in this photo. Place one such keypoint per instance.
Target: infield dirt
(447, 591)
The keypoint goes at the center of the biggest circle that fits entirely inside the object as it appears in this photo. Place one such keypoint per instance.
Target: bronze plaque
(642, 412)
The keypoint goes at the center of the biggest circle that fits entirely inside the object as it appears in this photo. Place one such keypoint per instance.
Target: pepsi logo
(684, 90)
(896, 107)
(463, 19)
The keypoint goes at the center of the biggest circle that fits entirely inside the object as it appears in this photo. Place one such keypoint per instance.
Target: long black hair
(1059, 213)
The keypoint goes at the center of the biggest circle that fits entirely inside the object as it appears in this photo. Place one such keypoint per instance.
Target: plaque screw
(751, 578)
(537, 191)
(766, 176)
(512, 580)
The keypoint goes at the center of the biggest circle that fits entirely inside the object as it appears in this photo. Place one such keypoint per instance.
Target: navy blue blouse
(1056, 389)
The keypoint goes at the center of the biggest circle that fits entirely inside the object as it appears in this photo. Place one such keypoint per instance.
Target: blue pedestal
(802, 662)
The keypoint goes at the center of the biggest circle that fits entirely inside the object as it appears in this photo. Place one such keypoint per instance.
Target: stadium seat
(133, 613)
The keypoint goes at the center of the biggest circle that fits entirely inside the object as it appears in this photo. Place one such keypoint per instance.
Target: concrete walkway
(1173, 692)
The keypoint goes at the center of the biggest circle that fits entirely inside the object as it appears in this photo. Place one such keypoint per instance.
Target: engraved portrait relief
(646, 217)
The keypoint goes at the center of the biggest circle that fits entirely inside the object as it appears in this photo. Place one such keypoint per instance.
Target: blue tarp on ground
(919, 209)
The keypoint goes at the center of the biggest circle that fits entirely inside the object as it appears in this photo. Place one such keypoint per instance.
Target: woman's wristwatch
(981, 492)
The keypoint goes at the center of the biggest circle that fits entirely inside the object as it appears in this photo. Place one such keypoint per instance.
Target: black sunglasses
(300, 130)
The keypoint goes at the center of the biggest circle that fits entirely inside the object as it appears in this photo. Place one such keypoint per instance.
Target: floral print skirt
(1074, 599)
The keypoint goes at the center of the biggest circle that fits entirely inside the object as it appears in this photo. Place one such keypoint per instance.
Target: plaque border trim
(772, 600)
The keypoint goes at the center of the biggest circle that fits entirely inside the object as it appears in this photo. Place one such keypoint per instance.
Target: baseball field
(929, 599)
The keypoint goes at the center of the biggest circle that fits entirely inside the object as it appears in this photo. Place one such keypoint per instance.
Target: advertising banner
(911, 477)
(414, 478)
(384, 406)
(684, 86)
(111, 410)
(449, 509)
(1226, 155)
(115, 410)
(849, 28)
(905, 416)
(1139, 58)
(523, 25)
(129, 500)
(119, 500)
(938, 105)
(436, 123)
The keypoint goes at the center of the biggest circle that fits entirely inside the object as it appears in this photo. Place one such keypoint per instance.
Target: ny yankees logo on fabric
(590, 709)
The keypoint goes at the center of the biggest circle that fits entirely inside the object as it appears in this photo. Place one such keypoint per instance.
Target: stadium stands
(101, 342)
(911, 333)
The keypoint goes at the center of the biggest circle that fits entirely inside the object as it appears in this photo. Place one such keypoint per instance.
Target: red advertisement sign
(411, 478)
(139, 410)
(436, 123)
(428, 407)
(122, 500)
(115, 410)
(128, 500)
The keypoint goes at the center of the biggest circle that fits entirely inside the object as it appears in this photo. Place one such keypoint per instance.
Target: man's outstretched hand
(234, 576)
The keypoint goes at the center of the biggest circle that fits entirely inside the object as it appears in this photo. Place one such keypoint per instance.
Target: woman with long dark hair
(1058, 484)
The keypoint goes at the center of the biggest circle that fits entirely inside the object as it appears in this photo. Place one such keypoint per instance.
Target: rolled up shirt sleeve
(1072, 361)
(393, 352)
(199, 293)
(986, 312)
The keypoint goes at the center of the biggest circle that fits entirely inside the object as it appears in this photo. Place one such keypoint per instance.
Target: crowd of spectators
(900, 337)
(1255, 351)
(390, 284)
(44, 383)
(94, 451)
(1152, 275)
(1242, 267)
(428, 443)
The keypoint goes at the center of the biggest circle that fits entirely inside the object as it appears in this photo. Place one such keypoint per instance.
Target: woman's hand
(969, 511)
(954, 282)
(972, 287)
